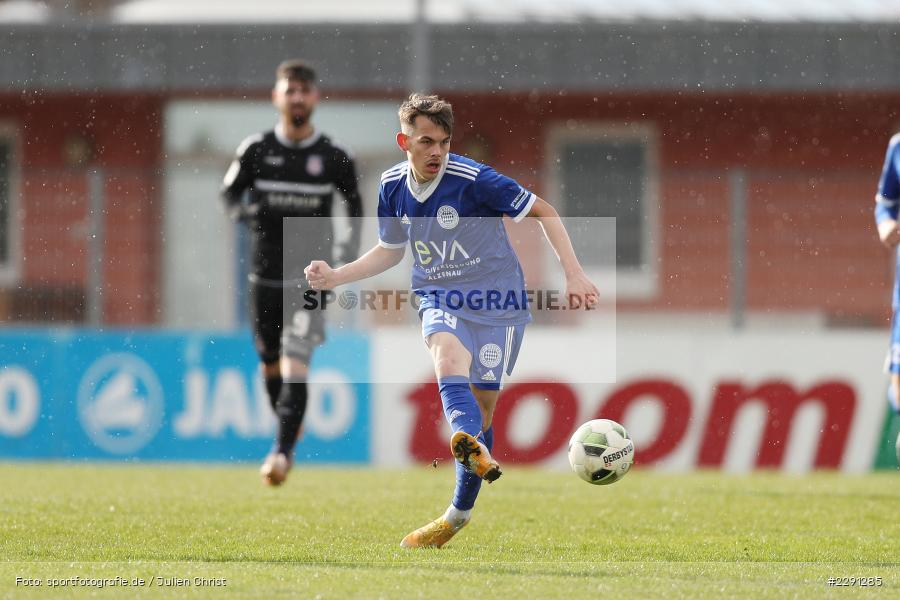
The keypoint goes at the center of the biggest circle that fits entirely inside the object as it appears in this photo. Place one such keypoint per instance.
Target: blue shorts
(893, 359)
(494, 349)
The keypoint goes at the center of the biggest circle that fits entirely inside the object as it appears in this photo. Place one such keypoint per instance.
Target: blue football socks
(463, 413)
(460, 407)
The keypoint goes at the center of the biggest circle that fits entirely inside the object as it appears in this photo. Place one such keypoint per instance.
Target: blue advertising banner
(78, 394)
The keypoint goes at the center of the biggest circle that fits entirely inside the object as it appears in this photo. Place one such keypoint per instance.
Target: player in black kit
(291, 171)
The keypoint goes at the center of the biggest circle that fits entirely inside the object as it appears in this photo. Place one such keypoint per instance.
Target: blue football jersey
(887, 201)
(464, 263)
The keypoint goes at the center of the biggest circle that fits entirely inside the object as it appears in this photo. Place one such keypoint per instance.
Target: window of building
(9, 202)
(602, 171)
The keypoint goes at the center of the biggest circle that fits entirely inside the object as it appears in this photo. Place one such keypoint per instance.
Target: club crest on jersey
(447, 217)
(314, 165)
(275, 160)
(490, 355)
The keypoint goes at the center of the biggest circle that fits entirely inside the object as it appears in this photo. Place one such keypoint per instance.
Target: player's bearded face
(296, 100)
(426, 144)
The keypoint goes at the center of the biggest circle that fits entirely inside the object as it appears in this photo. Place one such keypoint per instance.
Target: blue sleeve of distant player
(503, 194)
(887, 201)
(390, 231)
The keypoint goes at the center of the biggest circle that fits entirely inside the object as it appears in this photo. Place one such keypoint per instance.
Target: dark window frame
(640, 282)
(11, 238)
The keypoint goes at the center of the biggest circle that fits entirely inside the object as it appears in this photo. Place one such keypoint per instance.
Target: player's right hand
(889, 232)
(581, 292)
(319, 275)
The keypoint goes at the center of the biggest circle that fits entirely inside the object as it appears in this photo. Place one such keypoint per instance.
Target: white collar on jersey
(289, 143)
(422, 192)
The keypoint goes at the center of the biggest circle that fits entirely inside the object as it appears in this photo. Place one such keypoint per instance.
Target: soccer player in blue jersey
(449, 210)
(887, 204)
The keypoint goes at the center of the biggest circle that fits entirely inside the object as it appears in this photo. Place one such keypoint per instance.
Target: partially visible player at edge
(422, 199)
(887, 206)
(291, 171)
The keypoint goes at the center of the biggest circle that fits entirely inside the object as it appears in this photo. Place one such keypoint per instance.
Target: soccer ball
(601, 452)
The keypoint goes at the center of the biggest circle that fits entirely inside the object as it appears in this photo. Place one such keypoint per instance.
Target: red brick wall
(123, 133)
(812, 164)
(694, 249)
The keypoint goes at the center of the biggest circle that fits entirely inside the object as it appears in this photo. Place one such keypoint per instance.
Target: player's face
(295, 99)
(426, 144)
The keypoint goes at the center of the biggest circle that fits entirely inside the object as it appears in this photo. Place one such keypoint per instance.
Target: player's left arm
(580, 291)
(238, 180)
(887, 200)
(348, 185)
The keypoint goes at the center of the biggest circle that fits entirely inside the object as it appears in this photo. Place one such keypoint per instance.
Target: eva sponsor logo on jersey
(444, 260)
(274, 160)
(432, 251)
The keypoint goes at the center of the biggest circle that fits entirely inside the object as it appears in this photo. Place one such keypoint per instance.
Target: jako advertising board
(75, 394)
(735, 402)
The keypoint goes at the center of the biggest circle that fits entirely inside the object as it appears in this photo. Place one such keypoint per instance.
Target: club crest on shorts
(490, 355)
(447, 217)
(314, 165)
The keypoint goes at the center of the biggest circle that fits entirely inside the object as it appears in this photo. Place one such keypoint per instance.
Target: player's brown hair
(296, 69)
(436, 109)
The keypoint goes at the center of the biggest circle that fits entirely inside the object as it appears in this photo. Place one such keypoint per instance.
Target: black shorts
(281, 326)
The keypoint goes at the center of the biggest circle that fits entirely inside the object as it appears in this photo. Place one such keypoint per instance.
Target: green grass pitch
(335, 533)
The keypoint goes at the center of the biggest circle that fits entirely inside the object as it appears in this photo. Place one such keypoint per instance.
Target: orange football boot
(474, 456)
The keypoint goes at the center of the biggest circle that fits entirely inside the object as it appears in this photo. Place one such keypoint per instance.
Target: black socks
(290, 409)
(273, 387)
